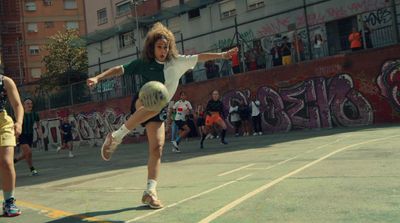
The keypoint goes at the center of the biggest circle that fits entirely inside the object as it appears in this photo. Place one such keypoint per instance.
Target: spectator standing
(286, 51)
(355, 40)
(244, 113)
(318, 46)
(235, 117)
(256, 117)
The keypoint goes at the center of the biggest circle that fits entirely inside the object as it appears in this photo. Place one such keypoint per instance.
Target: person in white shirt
(235, 117)
(182, 109)
(256, 117)
(318, 46)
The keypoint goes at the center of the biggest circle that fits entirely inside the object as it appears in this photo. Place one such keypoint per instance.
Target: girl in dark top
(67, 139)
(214, 114)
(31, 119)
(244, 113)
(9, 131)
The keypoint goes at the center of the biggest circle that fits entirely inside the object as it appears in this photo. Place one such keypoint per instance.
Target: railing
(255, 54)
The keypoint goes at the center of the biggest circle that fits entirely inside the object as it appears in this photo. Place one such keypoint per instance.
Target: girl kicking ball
(160, 62)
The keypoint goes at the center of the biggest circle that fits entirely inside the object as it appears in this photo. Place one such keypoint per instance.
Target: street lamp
(135, 3)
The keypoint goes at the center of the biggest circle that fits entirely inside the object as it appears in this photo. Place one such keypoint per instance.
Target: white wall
(210, 21)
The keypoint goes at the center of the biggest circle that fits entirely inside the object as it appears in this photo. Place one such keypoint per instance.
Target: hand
(40, 133)
(228, 54)
(91, 82)
(17, 129)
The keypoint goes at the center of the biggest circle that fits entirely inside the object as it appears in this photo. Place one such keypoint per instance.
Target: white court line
(233, 204)
(284, 161)
(189, 198)
(232, 171)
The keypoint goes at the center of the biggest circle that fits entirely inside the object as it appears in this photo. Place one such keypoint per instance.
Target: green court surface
(334, 175)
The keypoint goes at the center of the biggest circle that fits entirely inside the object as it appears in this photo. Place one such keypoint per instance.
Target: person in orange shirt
(355, 40)
(235, 63)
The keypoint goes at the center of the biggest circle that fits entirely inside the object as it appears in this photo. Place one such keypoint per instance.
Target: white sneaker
(109, 147)
(175, 150)
(260, 133)
(254, 134)
(175, 147)
(70, 155)
(209, 136)
(58, 149)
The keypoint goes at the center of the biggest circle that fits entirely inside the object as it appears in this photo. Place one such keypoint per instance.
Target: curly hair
(157, 32)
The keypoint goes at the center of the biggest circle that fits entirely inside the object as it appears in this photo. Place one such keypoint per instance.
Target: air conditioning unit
(229, 13)
(255, 5)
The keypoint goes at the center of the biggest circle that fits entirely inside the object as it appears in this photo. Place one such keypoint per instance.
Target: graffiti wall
(341, 91)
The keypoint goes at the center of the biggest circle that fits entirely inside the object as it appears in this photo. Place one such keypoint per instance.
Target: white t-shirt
(255, 108)
(170, 74)
(174, 69)
(233, 111)
(182, 109)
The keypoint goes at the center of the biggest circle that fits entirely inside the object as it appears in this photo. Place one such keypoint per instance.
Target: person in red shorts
(214, 111)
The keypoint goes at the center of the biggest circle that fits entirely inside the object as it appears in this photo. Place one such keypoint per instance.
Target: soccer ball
(154, 96)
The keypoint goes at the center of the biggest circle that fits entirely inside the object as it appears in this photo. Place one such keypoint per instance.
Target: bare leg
(26, 154)
(7, 168)
(156, 137)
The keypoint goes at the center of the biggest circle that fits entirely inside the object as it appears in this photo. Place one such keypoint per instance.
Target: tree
(66, 61)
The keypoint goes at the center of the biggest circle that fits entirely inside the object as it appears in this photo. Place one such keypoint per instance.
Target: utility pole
(19, 44)
(135, 4)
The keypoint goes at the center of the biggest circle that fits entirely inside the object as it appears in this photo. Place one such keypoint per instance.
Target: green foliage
(66, 61)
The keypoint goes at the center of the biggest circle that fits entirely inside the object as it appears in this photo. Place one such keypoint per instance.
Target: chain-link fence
(378, 28)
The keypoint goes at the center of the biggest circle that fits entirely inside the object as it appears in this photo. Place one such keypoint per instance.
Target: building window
(227, 9)
(70, 4)
(49, 24)
(126, 39)
(72, 25)
(254, 4)
(36, 72)
(101, 16)
(32, 27)
(30, 6)
(47, 2)
(123, 8)
(194, 13)
(34, 50)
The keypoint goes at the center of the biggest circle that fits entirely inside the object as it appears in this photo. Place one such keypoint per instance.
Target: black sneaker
(224, 142)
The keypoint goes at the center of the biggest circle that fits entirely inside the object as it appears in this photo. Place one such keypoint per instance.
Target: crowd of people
(209, 121)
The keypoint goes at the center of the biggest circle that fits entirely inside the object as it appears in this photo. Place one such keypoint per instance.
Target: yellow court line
(56, 214)
(235, 203)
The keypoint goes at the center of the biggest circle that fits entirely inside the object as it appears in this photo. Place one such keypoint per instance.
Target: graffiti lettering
(313, 103)
(89, 129)
(379, 18)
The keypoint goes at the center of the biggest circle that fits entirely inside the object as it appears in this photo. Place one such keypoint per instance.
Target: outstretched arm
(15, 101)
(203, 57)
(113, 72)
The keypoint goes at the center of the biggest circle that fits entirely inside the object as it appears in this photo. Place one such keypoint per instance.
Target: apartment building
(42, 19)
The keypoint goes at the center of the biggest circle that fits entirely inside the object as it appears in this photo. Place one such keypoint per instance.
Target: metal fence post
(395, 21)
(307, 30)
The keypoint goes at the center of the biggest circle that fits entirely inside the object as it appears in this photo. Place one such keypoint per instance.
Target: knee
(156, 151)
(6, 164)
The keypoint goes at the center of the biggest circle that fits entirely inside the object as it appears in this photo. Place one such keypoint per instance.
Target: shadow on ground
(84, 217)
